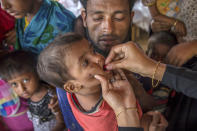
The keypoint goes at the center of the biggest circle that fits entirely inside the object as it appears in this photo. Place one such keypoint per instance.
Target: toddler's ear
(72, 86)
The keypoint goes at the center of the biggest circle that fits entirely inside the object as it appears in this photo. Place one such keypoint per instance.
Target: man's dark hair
(16, 63)
(131, 3)
(51, 61)
(163, 37)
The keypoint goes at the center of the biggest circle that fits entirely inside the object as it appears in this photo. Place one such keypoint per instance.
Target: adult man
(107, 22)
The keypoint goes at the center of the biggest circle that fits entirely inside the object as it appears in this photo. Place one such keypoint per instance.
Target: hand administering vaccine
(128, 56)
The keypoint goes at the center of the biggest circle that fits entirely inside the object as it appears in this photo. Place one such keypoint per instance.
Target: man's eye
(25, 80)
(98, 18)
(85, 63)
(119, 17)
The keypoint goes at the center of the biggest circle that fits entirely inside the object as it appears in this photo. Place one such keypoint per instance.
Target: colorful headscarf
(52, 19)
(9, 101)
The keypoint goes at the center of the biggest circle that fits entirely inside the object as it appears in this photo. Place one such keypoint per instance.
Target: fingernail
(96, 76)
(108, 67)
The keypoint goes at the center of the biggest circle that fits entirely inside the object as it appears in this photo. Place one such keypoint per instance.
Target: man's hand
(119, 93)
(54, 105)
(120, 96)
(181, 53)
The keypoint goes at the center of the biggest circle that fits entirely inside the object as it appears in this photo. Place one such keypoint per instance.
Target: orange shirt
(102, 120)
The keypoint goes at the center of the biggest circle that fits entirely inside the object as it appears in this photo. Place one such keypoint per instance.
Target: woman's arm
(132, 58)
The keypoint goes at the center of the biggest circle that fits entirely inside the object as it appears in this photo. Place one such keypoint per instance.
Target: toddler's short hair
(16, 63)
(51, 61)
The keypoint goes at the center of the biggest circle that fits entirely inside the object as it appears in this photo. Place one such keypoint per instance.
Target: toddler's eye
(14, 85)
(25, 80)
(85, 63)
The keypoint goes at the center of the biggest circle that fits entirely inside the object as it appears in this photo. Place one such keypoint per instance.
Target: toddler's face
(159, 52)
(83, 63)
(25, 85)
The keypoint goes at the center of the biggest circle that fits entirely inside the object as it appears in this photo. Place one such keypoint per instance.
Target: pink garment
(2, 126)
(7, 23)
(21, 122)
(103, 120)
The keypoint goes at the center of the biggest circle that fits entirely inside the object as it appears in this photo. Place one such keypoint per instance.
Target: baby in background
(159, 44)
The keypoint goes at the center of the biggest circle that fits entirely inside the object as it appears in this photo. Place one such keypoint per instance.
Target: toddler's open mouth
(104, 68)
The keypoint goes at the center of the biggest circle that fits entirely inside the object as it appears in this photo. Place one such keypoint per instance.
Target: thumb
(156, 119)
(104, 83)
(114, 52)
(115, 65)
(51, 103)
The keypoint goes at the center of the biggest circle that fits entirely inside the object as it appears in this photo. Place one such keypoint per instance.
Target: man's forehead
(107, 5)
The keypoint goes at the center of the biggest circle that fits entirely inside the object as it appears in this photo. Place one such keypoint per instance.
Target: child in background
(38, 22)
(70, 63)
(18, 69)
(13, 110)
(159, 44)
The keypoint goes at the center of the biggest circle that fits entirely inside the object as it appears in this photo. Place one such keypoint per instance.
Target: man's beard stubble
(96, 46)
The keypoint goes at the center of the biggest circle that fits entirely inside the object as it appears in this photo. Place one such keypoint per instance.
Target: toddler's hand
(54, 105)
(155, 121)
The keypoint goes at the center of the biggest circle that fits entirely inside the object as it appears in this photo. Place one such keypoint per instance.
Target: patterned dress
(183, 10)
(41, 116)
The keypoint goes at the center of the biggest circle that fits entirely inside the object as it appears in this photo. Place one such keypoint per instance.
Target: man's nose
(107, 26)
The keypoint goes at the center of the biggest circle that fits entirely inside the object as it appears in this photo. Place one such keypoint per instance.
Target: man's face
(107, 22)
(17, 8)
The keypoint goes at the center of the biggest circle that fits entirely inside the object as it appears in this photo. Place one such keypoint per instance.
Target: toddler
(18, 69)
(70, 63)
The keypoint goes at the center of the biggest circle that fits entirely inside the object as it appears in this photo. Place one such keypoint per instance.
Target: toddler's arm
(54, 106)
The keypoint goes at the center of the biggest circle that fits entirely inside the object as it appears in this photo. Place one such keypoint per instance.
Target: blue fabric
(9, 103)
(51, 20)
(69, 118)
